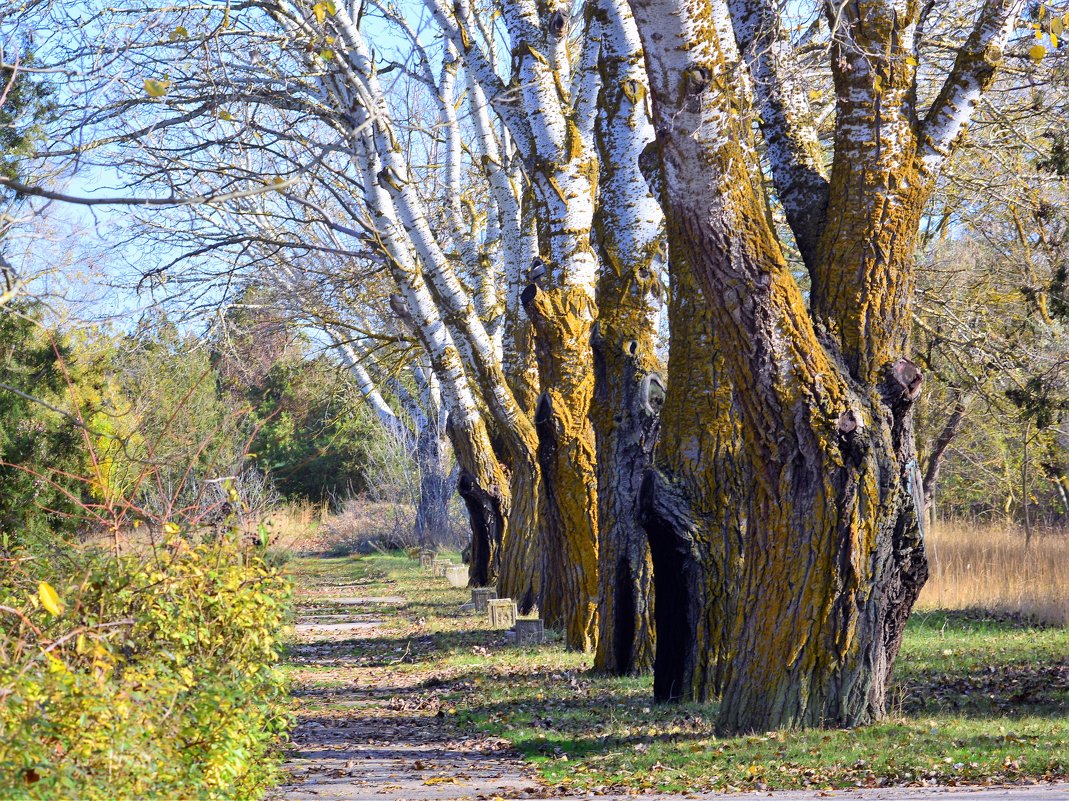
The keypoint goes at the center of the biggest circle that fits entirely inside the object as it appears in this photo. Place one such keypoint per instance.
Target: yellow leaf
(171, 528)
(1037, 52)
(225, 115)
(156, 88)
(320, 11)
(442, 780)
(49, 598)
(179, 33)
(326, 55)
(1057, 26)
(911, 61)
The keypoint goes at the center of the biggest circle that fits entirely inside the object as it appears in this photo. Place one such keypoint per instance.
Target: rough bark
(793, 148)
(628, 375)
(690, 505)
(520, 567)
(550, 119)
(563, 318)
(832, 549)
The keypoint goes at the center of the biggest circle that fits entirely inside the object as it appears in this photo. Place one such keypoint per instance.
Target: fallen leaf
(49, 598)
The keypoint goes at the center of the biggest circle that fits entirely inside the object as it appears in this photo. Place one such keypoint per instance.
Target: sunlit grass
(978, 699)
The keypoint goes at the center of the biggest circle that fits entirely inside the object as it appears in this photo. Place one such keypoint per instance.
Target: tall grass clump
(988, 567)
(141, 677)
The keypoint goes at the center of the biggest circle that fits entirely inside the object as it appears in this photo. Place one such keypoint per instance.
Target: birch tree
(540, 169)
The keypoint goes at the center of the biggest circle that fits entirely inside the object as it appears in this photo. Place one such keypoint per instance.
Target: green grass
(976, 700)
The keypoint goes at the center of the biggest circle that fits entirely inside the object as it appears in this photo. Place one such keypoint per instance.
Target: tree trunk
(692, 505)
(628, 398)
(432, 508)
(939, 449)
(833, 568)
(628, 376)
(563, 318)
(482, 487)
(520, 574)
(833, 556)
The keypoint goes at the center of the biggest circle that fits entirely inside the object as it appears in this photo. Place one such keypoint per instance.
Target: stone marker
(529, 631)
(425, 558)
(479, 597)
(438, 567)
(501, 612)
(457, 575)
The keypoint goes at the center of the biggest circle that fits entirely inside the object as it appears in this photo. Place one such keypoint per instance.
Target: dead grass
(984, 566)
(296, 527)
(361, 520)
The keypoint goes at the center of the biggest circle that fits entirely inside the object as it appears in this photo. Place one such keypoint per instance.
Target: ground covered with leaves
(977, 700)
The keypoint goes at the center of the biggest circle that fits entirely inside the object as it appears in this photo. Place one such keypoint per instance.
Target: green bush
(141, 677)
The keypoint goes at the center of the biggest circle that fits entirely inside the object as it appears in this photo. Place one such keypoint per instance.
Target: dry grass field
(987, 567)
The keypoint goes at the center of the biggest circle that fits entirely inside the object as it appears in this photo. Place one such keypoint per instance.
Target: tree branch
(974, 70)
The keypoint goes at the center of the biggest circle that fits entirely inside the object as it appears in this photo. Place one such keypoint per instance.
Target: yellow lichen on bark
(563, 317)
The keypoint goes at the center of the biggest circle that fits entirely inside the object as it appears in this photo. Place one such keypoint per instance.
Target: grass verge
(978, 699)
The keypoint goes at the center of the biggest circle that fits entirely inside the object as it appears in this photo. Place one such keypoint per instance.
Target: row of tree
(508, 199)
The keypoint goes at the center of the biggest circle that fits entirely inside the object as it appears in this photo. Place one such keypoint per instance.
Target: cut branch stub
(400, 309)
(909, 378)
(538, 269)
(653, 393)
(633, 91)
(848, 422)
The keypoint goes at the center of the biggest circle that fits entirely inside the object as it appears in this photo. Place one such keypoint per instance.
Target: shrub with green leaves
(141, 677)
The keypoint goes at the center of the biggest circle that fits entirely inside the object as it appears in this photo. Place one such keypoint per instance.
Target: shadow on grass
(408, 649)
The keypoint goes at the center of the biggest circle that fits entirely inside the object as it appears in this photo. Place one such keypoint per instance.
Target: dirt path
(367, 730)
(371, 726)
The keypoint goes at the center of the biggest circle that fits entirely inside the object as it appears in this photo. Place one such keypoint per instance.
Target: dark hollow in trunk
(624, 622)
(486, 521)
(674, 605)
(552, 545)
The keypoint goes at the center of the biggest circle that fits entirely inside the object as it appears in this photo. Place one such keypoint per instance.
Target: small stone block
(438, 567)
(501, 612)
(425, 558)
(480, 596)
(529, 631)
(457, 575)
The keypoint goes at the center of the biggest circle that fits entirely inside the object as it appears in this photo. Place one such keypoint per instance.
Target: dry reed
(985, 566)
